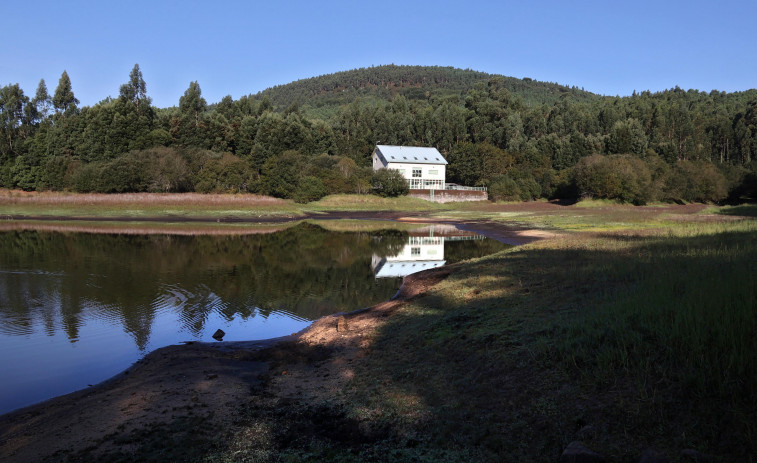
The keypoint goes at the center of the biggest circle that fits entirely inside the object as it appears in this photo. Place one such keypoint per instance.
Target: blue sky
(237, 48)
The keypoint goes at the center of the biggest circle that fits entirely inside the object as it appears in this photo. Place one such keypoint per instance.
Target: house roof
(410, 154)
(397, 268)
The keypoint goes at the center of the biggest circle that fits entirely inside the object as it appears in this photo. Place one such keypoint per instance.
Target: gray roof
(397, 268)
(410, 154)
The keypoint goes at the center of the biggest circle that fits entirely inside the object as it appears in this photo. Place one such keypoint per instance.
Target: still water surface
(77, 308)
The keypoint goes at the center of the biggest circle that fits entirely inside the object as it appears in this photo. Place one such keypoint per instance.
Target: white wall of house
(419, 176)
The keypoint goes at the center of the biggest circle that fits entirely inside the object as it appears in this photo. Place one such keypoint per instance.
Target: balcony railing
(455, 186)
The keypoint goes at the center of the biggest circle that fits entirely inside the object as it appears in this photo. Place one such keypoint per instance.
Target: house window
(415, 251)
(433, 172)
(401, 171)
(416, 172)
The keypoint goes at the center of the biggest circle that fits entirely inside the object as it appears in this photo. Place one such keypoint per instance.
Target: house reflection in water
(424, 250)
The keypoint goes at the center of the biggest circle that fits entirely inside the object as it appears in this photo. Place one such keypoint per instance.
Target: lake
(78, 308)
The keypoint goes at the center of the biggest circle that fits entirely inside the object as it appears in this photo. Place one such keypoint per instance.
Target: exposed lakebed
(77, 308)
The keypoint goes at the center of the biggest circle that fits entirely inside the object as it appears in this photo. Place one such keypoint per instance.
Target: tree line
(674, 145)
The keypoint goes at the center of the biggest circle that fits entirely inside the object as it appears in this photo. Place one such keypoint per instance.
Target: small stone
(651, 456)
(341, 324)
(576, 452)
(219, 334)
(212, 376)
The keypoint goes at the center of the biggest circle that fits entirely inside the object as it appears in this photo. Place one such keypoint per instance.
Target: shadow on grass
(745, 210)
(647, 340)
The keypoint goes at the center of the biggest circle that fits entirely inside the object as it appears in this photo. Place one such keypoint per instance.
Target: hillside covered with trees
(522, 138)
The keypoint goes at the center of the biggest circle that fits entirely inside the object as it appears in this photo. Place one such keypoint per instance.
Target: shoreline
(179, 381)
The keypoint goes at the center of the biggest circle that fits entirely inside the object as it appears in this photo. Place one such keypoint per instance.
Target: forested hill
(322, 95)
(520, 138)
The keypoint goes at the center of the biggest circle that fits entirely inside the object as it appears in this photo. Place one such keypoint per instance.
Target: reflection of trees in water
(455, 251)
(56, 279)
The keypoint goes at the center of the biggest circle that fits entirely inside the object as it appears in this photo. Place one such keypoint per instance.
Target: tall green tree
(64, 99)
(42, 101)
(192, 103)
(136, 89)
(12, 103)
(627, 137)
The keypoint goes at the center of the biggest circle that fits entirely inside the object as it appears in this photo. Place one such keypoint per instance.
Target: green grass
(744, 210)
(188, 206)
(647, 337)
(372, 203)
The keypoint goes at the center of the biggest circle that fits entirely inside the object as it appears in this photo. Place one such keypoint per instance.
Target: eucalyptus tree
(64, 100)
(12, 104)
(192, 104)
(136, 89)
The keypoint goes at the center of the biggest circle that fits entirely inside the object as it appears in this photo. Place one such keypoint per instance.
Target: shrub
(225, 174)
(389, 183)
(503, 188)
(620, 177)
(86, 178)
(58, 173)
(125, 174)
(696, 181)
(167, 170)
(281, 174)
(310, 189)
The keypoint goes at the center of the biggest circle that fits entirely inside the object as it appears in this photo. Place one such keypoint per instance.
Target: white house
(420, 253)
(424, 168)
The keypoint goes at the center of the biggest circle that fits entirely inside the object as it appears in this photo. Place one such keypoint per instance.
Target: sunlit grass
(352, 225)
(372, 203)
(145, 228)
(14, 203)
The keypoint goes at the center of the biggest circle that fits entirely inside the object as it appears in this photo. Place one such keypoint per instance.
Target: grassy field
(640, 339)
(634, 328)
(624, 338)
(15, 204)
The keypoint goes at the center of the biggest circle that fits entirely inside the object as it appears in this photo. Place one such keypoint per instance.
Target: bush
(167, 170)
(310, 189)
(389, 183)
(224, 174)
(58, 173)
(620, 177)
(125, 174)
(281, 174)
(696, 181)
(86, 178)
(503, 188)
